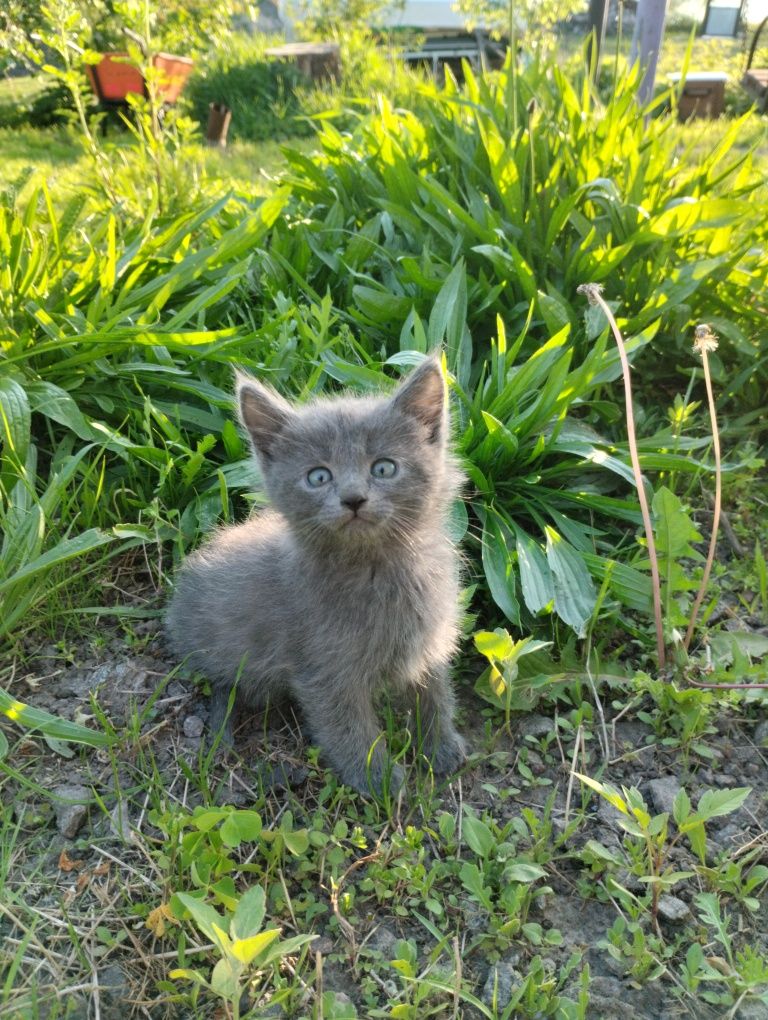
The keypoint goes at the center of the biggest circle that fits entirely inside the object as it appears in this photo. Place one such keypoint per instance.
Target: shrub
(263, 94)
(539, 187)
(39, 107)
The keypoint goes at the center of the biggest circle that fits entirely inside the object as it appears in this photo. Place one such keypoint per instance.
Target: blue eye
(384, 468)
(319, 476)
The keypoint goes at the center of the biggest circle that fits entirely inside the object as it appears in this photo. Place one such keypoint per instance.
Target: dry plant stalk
(592, 291)
(704, 342)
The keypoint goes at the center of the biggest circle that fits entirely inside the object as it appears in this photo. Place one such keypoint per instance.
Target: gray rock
(752, 1011)
(72, 809)
(114, 988)
(383, 940)
(760, 735)
(501, 980)
(608, 815)
(672, 909)
(662, 793)
(193, 726)
(535, 726)
(119, 823)
(607, 999)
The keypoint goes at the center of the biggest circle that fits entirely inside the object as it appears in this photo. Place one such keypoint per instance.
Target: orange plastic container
(112, 79)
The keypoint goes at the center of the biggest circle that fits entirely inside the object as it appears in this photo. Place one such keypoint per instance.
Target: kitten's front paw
(449, 755)
(385, 780)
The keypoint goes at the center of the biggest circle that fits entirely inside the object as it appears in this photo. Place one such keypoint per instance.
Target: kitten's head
(355, 470)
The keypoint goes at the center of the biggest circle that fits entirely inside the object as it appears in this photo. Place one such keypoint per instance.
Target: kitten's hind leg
(220, 713)
(341, 720)
(434, 711)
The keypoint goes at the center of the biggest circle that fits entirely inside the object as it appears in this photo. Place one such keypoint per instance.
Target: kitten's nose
(354, 502)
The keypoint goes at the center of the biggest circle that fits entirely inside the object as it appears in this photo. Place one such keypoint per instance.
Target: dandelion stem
(592, 292)
(704, 343)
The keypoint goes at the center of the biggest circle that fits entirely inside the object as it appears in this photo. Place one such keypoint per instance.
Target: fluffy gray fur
(339, 590)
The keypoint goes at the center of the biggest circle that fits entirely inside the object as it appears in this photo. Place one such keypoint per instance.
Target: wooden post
(598, 20)
(646, 43)
(219, 119)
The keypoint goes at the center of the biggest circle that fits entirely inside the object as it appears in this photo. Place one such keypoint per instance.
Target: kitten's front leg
(436, 705)
(341, 720)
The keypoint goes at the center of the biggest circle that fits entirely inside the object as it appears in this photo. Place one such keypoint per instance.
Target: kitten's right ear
(263, 412)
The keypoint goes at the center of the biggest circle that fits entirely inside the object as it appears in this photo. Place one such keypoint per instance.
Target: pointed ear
(263, 412)
(422, 396)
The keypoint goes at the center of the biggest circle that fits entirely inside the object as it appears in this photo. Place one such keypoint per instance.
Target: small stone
(193, 726)
(535, 764)
(662, 793)
(323, 945)
(119, 824)
(501, 981)
(342, 999)
(536, 726)
(113, 984)
(672, 909)
(383, 940)
(71, 809)
(760, 736)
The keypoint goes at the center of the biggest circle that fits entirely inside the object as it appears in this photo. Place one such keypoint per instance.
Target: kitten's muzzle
(354, 503)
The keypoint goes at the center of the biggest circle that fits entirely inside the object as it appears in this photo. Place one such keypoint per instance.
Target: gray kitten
(348, 584)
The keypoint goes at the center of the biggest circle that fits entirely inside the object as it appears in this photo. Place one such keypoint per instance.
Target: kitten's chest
(392, 619)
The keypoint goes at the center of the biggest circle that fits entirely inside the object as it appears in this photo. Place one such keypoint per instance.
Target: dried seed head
(591, 291)
(704, 340)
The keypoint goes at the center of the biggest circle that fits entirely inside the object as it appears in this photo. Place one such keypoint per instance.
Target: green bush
(470, 226)
(264, 94)
(539, 187)
(41, 107)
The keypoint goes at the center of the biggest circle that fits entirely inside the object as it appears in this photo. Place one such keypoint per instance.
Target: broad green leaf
(15, 420)
(472, 880)
(714, 803)
(249, 914)
(575, 594)
(207, 819)
(609, 793)
(247, 949)
(524, 872)
(208, 920)
(296, 841)
(225, 979)
(477, 835)
(495, 644)
(673, 527)
(536, 578)
(681, 808)
(497, 564)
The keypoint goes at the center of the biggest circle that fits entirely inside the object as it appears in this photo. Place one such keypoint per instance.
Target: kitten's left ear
(422, 396)
(263, 412)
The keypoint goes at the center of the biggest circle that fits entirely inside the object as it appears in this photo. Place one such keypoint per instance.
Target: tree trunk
(646, 43)
(598, 19)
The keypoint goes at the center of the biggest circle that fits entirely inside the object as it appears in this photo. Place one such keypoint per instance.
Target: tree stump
(318, 61)
(219, 118)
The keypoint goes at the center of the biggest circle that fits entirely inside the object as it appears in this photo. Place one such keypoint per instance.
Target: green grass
(58, 155)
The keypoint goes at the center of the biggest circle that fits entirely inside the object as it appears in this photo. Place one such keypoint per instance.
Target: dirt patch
(87, 858)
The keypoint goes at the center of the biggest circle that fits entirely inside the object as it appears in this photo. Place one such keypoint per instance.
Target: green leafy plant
(742, 975)
(651, 832)
(249, 952)
(503, 882)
